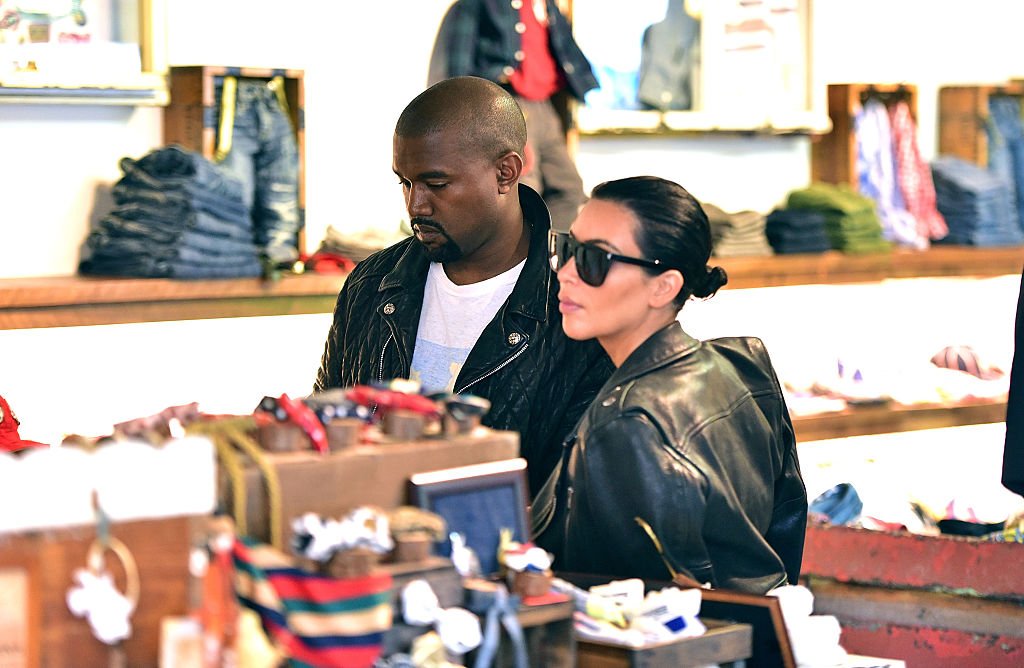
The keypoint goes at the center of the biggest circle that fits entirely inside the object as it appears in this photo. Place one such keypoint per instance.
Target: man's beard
(448, 251)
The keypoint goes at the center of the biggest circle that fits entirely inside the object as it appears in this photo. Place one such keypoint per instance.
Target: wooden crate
(834, 155)
(378, 475)
(963, 112)
(190, 118)
(37, 571)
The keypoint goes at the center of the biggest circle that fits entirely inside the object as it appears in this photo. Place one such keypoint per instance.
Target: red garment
(10, 439)
(537, 77)
(913, 176)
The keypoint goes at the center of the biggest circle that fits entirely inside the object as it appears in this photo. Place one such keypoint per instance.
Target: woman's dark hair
(673, 229)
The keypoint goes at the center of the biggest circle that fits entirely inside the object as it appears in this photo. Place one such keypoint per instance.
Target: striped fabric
(313, 620)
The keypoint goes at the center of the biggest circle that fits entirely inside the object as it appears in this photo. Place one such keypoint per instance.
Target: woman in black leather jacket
(685, 465)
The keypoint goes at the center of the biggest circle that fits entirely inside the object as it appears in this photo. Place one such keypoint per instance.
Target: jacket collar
(665, 346)
(529, 297)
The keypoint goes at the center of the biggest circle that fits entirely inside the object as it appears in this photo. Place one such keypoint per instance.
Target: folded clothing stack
(736, 234)
(978, 204)
(851, 220)
(176, 215)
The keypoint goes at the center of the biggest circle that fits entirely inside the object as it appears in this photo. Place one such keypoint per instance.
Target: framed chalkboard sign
(476, 501)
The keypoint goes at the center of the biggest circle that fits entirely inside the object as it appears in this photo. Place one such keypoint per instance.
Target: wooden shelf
(888, 418)
(68, 301)
(834, 267)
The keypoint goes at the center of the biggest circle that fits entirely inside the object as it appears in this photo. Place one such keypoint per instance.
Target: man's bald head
(487, 117)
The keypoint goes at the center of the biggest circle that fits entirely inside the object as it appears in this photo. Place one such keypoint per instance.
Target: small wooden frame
(770, 642)
(477, 501)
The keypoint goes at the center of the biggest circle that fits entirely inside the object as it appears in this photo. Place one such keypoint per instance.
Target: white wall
(363, 62)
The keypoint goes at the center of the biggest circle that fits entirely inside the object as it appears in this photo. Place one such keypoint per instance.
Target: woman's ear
(510, 168)
(666, 288)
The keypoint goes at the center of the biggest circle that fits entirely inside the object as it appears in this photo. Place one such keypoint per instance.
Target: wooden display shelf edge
(888, 418)
(833, 267)
(67, 301)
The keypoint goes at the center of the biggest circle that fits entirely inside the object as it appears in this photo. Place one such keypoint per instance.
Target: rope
(230, 435)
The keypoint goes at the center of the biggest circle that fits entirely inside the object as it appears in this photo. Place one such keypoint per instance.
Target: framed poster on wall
(699, 65)
(83, 51)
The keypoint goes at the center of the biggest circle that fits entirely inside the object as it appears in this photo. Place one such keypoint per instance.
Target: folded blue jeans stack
(978, 204)
(797, 231)
(176, 215)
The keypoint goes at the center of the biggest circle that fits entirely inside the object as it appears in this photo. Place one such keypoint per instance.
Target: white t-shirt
(452, 320)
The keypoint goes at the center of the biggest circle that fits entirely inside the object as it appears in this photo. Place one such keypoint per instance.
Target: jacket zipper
(494, 370)
(380, 370)
(568, 517)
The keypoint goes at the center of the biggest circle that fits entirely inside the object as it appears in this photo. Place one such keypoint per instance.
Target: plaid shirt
(479, 38)
(913, 175)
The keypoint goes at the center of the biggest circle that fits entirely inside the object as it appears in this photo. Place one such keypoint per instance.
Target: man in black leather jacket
(458, 155)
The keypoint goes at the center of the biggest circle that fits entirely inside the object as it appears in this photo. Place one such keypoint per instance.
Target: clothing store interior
(208, 458)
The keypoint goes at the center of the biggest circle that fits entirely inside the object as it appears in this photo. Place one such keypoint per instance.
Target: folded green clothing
(829, 197)
(867, 246)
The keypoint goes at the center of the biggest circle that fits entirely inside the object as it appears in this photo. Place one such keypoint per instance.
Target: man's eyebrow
(432, 174)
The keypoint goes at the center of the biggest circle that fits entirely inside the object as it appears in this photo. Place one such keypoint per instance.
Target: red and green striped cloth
(314, 620)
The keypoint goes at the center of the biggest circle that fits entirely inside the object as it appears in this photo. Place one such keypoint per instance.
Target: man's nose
(418, 201)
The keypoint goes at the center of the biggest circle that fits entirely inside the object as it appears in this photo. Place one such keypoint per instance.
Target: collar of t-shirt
(452, 319)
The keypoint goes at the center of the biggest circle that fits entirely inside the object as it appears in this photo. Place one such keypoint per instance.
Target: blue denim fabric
(797, 231)
(161, 235)
(264, 156)
(189, 247)
(977, 204)
(175, 215)
(173, 168)
(231, 211)
(190, 256)
(1006, 145)
(150, 267)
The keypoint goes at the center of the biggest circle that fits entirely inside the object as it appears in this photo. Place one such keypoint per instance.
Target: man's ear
(510, 168)
(666, 288)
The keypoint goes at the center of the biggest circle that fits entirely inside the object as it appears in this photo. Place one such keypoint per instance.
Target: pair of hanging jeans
(263, 154)
(1006, 144)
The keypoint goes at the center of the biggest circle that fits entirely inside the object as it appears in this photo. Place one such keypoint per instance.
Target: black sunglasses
(592, 261)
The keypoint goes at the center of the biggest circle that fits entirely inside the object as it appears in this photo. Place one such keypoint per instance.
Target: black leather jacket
(694, 438)
(538, 380)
